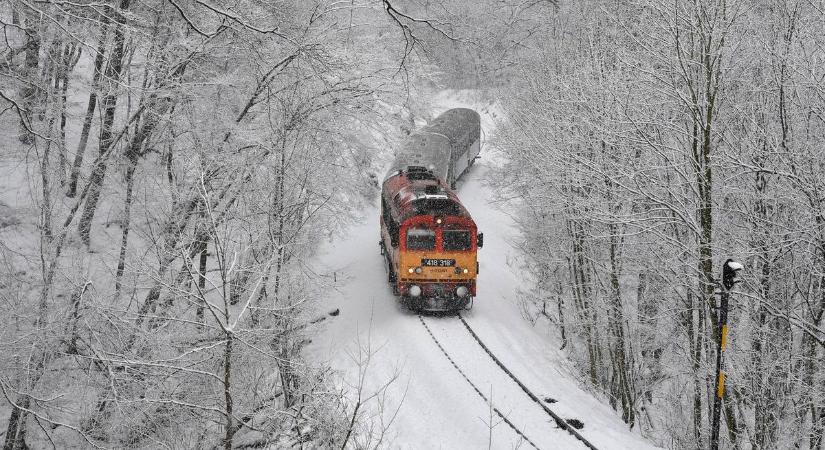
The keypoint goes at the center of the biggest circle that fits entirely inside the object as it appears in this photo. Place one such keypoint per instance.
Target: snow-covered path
(437, 408)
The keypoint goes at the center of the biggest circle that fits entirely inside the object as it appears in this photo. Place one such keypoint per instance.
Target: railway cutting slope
(430, 404)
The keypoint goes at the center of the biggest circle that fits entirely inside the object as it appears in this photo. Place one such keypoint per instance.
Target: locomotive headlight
(415, 290)
(458, 270)
(410, 270)
(438, 221)
(418, 270)
(466, 271)
(461, 291)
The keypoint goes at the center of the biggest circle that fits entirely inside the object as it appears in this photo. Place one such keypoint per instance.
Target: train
(428, 238)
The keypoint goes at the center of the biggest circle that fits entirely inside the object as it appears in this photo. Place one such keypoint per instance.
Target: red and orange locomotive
(428, 238)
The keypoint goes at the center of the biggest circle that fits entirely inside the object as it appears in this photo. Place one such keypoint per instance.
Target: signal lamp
(411, 270)
(418, 270)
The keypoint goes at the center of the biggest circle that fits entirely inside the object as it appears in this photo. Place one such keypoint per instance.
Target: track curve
(466, 330)
(561, 423)
(475, 388)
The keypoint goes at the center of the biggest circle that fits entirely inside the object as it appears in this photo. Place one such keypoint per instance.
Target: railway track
(559, 421)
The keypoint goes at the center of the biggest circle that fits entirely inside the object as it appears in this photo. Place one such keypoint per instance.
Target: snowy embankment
(428, 404)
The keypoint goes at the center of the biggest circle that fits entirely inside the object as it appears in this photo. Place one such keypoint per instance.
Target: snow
(436, 407)
(735, 265)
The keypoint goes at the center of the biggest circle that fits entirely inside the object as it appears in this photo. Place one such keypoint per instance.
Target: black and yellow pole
(720, 372)
(729, 273)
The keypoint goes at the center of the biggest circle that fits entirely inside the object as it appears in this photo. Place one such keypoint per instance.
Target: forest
(168, 168)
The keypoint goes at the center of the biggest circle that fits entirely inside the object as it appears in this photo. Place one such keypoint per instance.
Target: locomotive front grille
(457, 279)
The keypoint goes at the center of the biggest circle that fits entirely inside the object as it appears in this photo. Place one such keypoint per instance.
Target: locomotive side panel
(390, 229)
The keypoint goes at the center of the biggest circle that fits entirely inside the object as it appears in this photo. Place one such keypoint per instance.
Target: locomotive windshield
(457, 240)
(420, 239)
(436, 207)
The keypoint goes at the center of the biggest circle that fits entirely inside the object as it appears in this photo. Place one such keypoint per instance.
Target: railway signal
(730, 276)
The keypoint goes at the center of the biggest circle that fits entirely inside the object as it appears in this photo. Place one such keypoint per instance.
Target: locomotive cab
(429, 240)
(437, 261)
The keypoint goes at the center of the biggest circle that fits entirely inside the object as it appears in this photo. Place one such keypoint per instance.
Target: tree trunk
(151, 116)
(622, 389)
(31, 75)
(66, 56)
(45, 179)
(689, 319)
(227, 391)
(113, 73)
(201, 282)
(126, 224)
(581, 295)
(16, 430)
(90, 109)
(560, 305)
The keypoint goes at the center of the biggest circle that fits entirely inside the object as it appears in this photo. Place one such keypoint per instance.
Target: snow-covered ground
(429, 402)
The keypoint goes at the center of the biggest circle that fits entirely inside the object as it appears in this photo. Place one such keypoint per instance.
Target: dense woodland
(650, 142)
(178, 161)
(183, 159)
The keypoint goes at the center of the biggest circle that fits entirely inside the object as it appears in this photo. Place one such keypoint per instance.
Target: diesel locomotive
(428, 238)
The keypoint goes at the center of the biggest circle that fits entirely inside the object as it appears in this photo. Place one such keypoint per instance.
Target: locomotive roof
(414, 193)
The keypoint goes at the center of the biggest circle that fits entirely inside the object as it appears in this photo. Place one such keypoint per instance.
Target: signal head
(730, 272)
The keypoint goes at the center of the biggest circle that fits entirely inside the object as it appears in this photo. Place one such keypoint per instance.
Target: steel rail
(559, 421)
(478, 391)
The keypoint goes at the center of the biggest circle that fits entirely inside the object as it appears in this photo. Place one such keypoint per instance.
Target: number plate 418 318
(437, 262)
